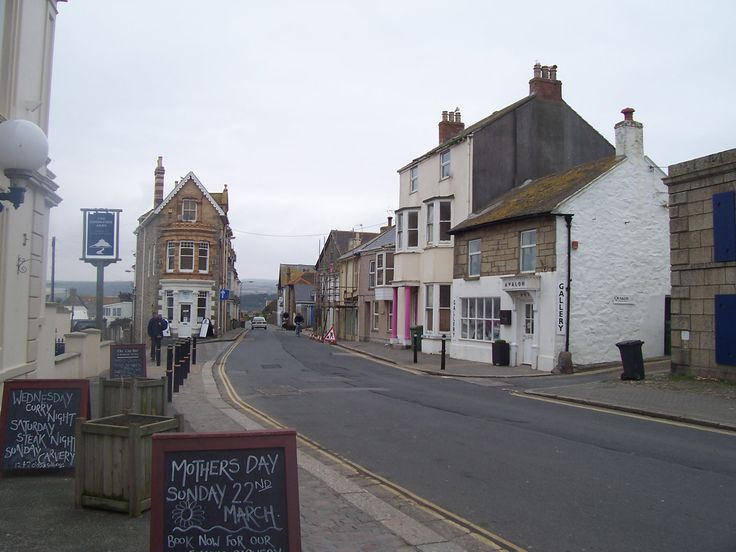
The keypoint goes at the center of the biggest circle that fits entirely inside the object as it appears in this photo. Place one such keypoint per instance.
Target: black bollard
(187, 356)
(158, 351)
(194, 350)
(177, 367)
(414, 340)
(442, 358)
(169, 371)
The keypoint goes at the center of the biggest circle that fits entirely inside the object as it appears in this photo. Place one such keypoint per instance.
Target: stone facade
(499, 247)
(696, 277)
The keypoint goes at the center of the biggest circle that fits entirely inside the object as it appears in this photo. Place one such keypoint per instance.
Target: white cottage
(575, 261)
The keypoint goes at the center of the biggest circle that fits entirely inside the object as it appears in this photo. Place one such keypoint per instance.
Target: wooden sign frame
(82, 385)
(164, 443)
(140, 347)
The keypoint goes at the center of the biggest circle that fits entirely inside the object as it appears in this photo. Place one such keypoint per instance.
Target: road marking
(604, 410)
(479, 533)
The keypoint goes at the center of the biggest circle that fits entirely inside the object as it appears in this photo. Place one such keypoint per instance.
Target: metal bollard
(414, 346)
(187, 356)
(442, 358)
(194, 350)
(169, 371)
(158, 351)
(177, 367)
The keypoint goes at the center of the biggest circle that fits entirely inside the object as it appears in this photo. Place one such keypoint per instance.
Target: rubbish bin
(501, 352)
(416, 334)
(632, 359)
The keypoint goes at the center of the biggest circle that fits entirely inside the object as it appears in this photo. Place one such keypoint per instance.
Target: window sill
(472, 278)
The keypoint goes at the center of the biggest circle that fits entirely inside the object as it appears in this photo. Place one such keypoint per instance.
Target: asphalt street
(545, 476)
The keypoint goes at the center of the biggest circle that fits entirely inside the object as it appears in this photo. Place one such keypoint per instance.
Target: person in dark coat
(156, 327)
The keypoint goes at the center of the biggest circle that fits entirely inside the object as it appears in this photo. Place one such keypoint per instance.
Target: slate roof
(293, 273)
(540, 196)
(385, 239)
(342, 240)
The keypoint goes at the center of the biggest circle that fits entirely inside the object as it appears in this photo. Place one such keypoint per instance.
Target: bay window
(186, 256)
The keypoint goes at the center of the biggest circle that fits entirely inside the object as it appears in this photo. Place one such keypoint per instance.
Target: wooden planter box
(132, 395)
(113, 461)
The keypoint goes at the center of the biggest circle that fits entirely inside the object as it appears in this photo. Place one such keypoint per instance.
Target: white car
(258, 322)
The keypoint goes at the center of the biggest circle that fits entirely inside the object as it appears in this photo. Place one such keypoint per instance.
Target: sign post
(101, 242)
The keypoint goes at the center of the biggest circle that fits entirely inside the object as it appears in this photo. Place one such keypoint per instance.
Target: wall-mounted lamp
(23, 150)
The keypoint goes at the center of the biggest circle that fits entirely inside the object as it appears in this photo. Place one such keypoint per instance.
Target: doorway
(185, 320)
(527, 336)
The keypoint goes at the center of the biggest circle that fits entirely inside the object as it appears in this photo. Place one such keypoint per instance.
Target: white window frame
(437, 314)
(445, 166)
(444, 224)
(399, 231)
(170, 256)
(371, 274)
(182, 246)
(444, 309)
(412, 231)
(528, 250)
(203, 246)
(169, 305)
(384, 269)
(390, 315)
(480, 318)
(376, 314)
(474, 257)
(189, 210)
(429, 308)
(413, 179)
(202, 298)
(430, 223)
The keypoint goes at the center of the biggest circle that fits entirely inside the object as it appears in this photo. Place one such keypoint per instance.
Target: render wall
(620, 270)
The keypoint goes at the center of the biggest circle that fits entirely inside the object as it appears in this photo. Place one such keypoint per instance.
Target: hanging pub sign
(101, 235)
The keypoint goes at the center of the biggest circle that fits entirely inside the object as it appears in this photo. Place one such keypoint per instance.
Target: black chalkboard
(225, 492)
(128, 361)
(37, 423)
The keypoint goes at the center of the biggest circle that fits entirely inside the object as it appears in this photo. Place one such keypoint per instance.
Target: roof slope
(540, 196)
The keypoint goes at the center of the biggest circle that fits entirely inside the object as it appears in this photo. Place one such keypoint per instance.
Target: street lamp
(23, 150)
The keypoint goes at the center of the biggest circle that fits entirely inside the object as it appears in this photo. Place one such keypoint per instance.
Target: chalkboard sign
(37, 423)
(128, 361)
(225, 492)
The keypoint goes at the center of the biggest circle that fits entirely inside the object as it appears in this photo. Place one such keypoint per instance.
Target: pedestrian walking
(298, 321)
(156, 327)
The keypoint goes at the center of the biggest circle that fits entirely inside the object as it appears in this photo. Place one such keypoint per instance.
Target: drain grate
(270, 366)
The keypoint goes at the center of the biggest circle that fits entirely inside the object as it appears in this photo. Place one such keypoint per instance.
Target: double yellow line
(494, 541)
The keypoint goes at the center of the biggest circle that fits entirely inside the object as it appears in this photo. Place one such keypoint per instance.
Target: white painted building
(522, 277)
(26, 53)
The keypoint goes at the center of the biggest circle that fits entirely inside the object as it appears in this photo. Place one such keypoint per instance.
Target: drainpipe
(568, 223)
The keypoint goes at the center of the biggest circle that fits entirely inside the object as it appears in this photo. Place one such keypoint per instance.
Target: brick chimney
(224, 200)
(450, 125)
(158, 186)
(544, 84)
(629, 135)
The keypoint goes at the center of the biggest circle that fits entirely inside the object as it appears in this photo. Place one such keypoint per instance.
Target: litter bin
(416, 334)
(501, 352)
(632, 359)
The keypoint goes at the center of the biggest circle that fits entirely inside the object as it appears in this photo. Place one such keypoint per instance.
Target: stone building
(185, 262)
(703, 255)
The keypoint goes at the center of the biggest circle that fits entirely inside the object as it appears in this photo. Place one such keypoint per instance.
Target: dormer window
(189, 210)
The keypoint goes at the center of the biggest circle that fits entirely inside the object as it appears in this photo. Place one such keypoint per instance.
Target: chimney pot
(444, 115)
(545, 72)
(158, 183)
(553, 72)
(628, 113)
(537, 70)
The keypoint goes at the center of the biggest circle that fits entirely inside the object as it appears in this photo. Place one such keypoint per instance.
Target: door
(527, 336)
(185, 320)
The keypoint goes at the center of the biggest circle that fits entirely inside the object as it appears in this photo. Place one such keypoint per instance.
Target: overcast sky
(306, 109)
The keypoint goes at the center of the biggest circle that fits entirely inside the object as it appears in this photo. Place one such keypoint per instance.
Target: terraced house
(469, 169)
(185, 262)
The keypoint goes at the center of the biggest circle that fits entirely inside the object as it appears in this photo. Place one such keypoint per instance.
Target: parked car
(258, 322)
(79, 325)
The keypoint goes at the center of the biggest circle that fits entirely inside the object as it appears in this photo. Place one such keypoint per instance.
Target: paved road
(545, 476)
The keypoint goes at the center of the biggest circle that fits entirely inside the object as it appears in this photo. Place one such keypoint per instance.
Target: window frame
(169, 305)
(413, 179)
(412, 231)
(445, 164)
(189, 206)
(384, 268)
(186, 245)
(202, 308)
(524, 248)
(444, 225)
(389, 315)
(430, 223)
(474, 257)
(203, 246)
(371, 274)
(428, 308)
(375, 314)
(481, 321)
(171, 247)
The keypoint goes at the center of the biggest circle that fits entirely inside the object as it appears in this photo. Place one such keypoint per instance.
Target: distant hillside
(257, 285)
(111, 289)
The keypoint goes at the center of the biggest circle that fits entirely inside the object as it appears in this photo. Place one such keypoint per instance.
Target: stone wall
(696, 278)
(500, 244)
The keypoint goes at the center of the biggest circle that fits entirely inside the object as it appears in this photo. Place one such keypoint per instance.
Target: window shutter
(724, 227)
(726, 329)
